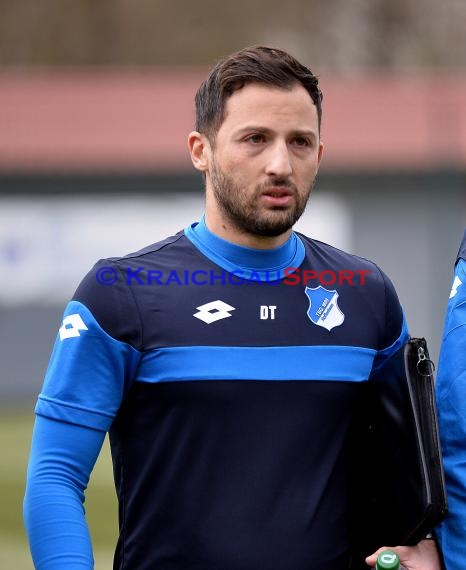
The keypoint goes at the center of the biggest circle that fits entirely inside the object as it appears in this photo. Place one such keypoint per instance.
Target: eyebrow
(265, 130)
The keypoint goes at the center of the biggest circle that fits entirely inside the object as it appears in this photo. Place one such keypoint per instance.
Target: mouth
(278, 196)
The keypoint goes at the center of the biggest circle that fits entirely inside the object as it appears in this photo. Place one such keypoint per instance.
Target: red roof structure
(101, 120)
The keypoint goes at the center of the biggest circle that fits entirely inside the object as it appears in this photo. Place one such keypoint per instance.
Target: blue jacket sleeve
(61, 460)
(91, 368)
(451, 402)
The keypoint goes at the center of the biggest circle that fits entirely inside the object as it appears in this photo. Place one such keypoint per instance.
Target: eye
(255, 138)
(301, 141)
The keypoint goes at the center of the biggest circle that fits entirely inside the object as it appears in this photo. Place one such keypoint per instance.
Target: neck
(268, 263)
(224, 228)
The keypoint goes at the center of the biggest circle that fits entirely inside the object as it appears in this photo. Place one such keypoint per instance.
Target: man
(451, 402)
(228, 395)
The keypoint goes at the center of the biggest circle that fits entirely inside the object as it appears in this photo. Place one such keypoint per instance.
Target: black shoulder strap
(462, 251)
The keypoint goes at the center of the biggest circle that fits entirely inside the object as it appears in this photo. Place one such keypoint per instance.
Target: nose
(279, 162)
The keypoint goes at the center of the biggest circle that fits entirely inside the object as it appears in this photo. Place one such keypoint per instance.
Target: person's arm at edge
(61, 460)
(451, 403)
(91, 368)
(424, 555)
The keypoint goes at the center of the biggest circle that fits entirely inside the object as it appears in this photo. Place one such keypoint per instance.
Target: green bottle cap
(388, 560)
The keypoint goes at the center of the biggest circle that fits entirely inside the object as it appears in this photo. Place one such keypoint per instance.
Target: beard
(244, 211)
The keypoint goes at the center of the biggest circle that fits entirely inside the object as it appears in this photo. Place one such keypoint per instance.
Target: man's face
(265, 159)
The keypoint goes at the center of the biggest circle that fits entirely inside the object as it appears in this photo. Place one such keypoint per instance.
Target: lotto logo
(71, 326)
(213, 311)
(456, 283)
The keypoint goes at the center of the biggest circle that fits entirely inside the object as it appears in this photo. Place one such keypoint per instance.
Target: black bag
(397, 483)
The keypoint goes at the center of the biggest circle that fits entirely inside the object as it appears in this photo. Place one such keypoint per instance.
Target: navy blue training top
(227, 377)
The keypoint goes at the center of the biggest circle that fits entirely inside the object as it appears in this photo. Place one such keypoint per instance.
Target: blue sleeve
(88, 374)
(61, 460)
(451, 402)
(91, 368)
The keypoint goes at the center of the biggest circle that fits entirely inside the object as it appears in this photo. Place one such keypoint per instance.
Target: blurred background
(96, 101)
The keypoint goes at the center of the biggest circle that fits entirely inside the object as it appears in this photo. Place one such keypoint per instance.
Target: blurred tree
(335, 34)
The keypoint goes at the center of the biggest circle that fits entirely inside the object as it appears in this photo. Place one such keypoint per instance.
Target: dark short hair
(257, 64)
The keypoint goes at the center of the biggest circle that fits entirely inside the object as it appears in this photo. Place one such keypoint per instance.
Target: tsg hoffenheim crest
(323, 307)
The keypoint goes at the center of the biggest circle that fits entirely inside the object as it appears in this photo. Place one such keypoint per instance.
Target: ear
(320, 153)
(199, 149)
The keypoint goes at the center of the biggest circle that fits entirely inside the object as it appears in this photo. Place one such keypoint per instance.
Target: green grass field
(101, 508)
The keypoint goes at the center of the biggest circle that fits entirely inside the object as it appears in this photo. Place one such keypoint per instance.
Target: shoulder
(457, 297)
(333, 258)
(370, 286)
(154, 248)
(106, 293)
(458, 291)
(461, 269)
(462, 250)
